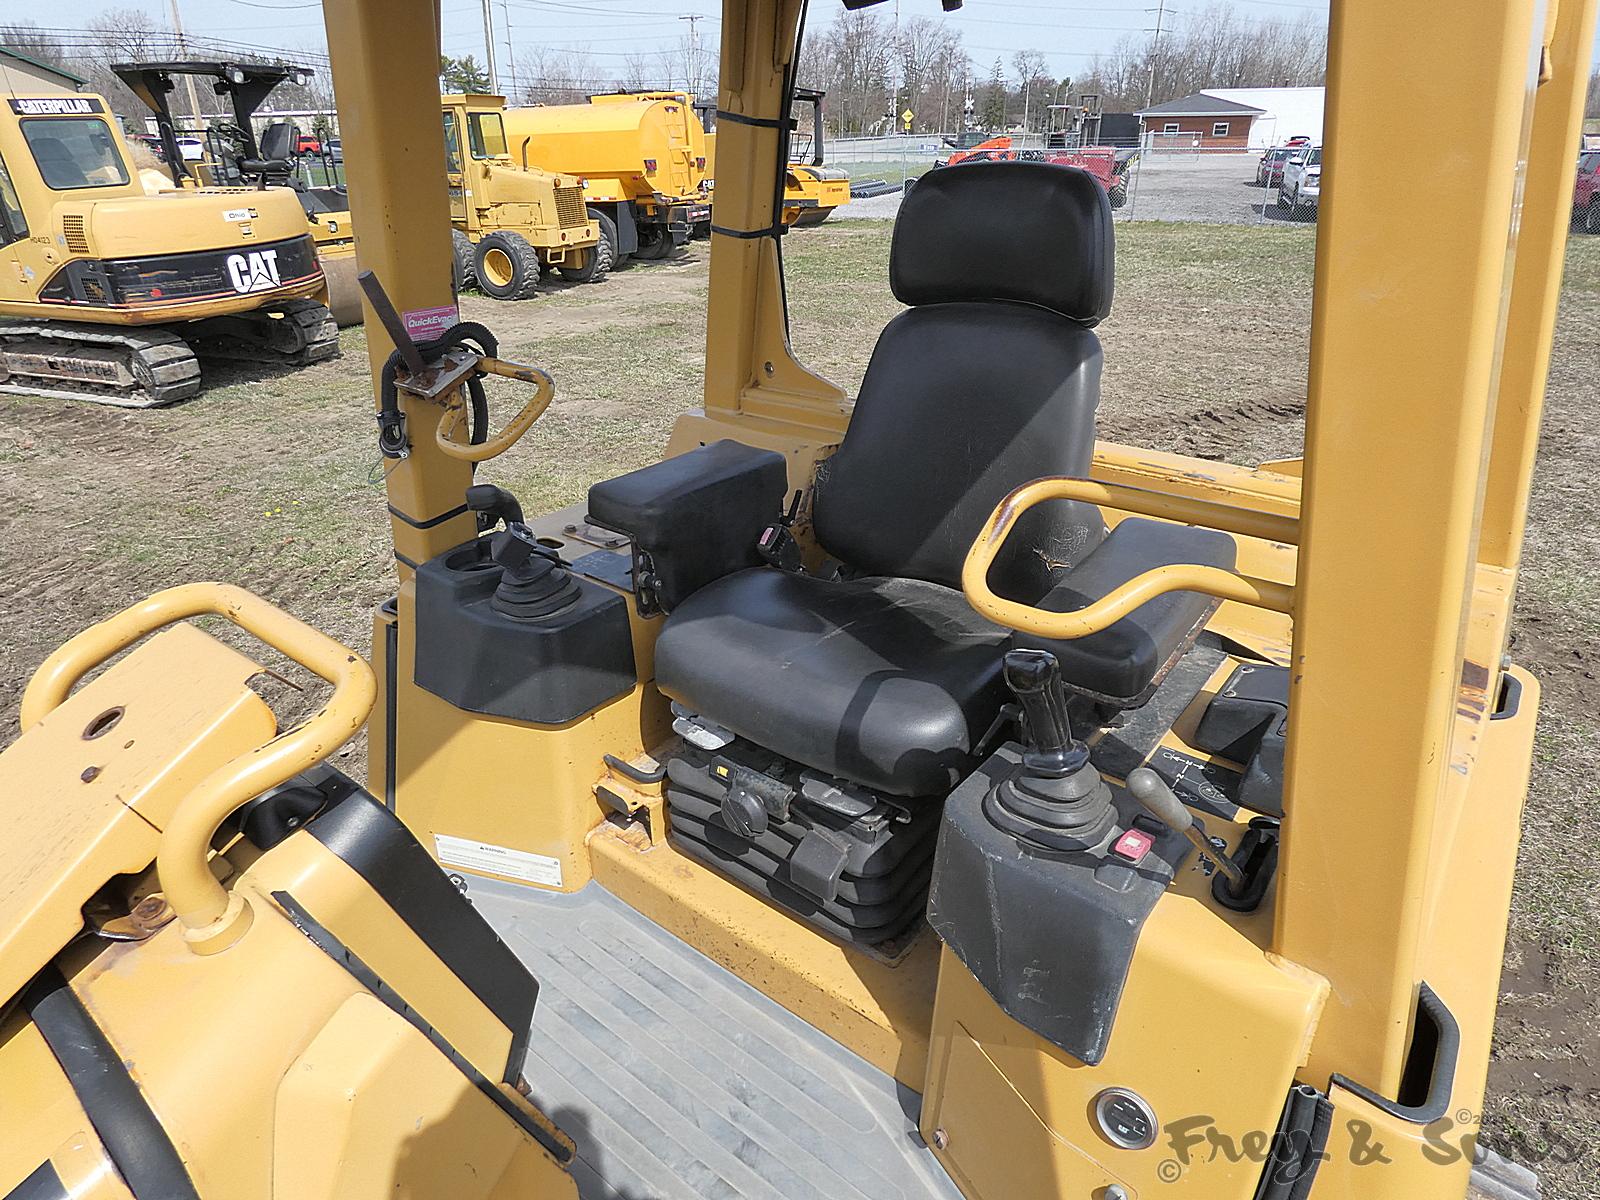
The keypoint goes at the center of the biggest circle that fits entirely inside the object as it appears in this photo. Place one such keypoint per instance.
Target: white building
(1290, 112)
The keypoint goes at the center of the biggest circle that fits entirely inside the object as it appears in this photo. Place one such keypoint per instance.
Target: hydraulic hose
(392, 440)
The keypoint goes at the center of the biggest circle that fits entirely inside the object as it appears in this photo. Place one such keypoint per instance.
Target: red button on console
(1133, 845)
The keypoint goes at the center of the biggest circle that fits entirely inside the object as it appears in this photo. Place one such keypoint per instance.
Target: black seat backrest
(991, 379)
(278, 141)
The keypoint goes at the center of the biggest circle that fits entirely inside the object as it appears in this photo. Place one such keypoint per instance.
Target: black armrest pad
(696, 516)
(1125, 662)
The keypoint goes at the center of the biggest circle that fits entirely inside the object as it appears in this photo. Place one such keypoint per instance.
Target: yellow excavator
(906, 794)
(234, 157)
(111, 295)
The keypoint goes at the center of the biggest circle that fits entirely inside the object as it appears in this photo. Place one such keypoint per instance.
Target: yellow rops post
(107, 293)
(897, 795)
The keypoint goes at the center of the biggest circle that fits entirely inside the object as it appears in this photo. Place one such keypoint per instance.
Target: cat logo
(254, 272)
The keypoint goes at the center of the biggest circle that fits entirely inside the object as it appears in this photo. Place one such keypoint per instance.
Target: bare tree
(1035, 87)
(1213, 48)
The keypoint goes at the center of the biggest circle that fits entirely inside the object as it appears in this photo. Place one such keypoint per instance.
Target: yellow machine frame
(1398, 864)
(1381, 572)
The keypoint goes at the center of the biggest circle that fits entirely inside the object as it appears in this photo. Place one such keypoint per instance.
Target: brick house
(1201, 120)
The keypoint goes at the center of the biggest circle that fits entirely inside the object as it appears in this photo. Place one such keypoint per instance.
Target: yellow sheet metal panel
(332, 892)
(1209, 1033)
(85, 792)
(524, 792)
(1536, 285)
(878, 1010)
(372, 1108)
(1406, 319)
(44, 1121)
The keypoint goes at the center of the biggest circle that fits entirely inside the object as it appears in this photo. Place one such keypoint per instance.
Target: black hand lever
(1034, 677)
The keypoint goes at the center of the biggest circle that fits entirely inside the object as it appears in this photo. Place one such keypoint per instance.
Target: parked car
(1269, 171)
(307, 145)
(336, 150)
(1586, 194)
(1301, 185)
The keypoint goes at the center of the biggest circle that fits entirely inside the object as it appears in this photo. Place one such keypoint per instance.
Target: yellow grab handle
(213, 919)
(454, 418)
(1120, 601)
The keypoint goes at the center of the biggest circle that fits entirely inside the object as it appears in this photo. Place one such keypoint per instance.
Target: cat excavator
(111, 295)
(906, 794)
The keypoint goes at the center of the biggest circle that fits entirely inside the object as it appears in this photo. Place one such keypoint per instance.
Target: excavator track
(293, 333)
(104, 364)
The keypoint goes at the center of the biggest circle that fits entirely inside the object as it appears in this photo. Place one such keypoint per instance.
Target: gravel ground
(1217, 189)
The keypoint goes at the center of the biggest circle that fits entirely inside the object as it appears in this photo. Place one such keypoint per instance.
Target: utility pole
(511, 53)
(183, 52)
(691, 74)
(488, 46)
(1155, 53)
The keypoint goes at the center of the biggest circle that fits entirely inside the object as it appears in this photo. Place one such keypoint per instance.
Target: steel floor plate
(679, 1081)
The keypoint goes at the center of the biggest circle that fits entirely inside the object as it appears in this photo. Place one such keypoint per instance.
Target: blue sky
(1068, 34)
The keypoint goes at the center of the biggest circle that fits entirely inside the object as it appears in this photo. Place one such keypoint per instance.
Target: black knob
(744, 813)
(1034, 677)
(492, 502)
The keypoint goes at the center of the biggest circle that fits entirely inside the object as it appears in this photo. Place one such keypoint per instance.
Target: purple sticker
(426, 324)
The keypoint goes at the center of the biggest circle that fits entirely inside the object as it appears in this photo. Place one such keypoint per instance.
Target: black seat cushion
(888, 682)
(960, 404)
(1125, 662)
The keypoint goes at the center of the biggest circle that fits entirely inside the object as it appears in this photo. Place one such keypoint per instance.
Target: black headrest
(1030, 232)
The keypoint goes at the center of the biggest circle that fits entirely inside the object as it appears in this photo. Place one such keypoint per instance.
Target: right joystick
(1034, 677)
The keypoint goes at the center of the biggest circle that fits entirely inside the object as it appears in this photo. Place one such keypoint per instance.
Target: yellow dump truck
(511, 219)
(641, 155)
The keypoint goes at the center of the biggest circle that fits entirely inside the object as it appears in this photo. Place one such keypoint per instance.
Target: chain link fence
(1164, 180)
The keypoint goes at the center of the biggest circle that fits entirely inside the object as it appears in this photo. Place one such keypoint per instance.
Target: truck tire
(507, 266)
(654, 244)
(596, 263)
(608, 235)
(463, 262)
(1117, 193)
(1591, 217)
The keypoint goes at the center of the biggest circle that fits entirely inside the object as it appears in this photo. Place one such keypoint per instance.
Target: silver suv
(1301, 185)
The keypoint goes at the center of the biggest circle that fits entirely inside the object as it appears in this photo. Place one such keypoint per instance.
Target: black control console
(1044, 874)
(505, 629)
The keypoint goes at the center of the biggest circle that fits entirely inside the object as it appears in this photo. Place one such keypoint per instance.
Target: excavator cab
(911, 793)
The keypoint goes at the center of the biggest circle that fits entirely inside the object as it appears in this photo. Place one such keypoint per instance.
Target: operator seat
(824, 717)
(278, 142)
(887, 677)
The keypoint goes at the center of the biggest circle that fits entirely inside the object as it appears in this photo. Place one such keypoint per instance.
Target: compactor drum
(108, 293)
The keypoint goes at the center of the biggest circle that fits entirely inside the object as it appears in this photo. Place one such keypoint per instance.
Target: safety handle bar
(1141, 589)
(452, 422)
(214, 919)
